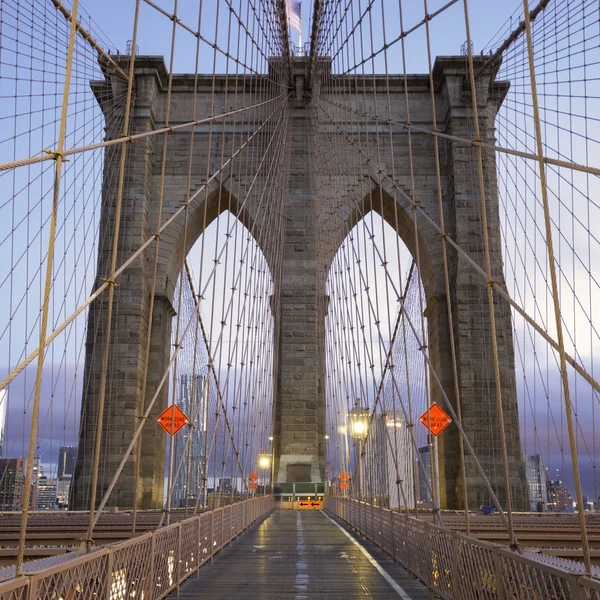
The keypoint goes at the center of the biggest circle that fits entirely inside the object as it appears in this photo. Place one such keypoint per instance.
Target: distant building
(225, 486)
(63, 487)
(536, 478)
(425, 474)
(66, 461)
(38, 470)
(559, 499)
(388, 469)
(46, 493)
(12, 475)
(193, 400)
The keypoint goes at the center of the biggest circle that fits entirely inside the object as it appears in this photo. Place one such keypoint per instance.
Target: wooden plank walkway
(301, 555)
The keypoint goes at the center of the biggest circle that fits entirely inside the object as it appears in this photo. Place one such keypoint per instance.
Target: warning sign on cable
(436, 419)
(172, 419)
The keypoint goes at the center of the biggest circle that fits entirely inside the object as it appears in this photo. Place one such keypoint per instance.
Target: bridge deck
(302, 555)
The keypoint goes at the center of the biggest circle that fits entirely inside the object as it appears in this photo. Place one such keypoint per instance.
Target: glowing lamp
(264, 461)
(359, 421)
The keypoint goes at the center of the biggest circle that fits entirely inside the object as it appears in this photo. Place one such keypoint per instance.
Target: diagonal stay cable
(22, 365)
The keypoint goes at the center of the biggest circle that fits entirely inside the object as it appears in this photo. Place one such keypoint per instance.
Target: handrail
(457, 567)
(151, 565)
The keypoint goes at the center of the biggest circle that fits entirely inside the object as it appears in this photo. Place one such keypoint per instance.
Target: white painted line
(381, 570)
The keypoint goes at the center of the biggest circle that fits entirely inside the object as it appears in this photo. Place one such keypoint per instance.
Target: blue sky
(154, 34)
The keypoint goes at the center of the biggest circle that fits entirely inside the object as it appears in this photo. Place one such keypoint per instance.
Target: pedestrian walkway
(301, 555)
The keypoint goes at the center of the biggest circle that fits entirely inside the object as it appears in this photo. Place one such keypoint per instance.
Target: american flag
(294, 8)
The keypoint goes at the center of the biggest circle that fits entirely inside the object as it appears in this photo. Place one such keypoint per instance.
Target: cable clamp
(110, 281)
(475, 141)
(156, 236)
(491, 283)
(56, 154)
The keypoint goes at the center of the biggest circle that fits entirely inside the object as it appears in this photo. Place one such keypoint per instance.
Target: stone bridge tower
(299, 403)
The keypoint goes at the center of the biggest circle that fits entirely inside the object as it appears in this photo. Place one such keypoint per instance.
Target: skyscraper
(12, 471)
(46, 493)
(425, 474)
(387, 470)
(66, 461)
(536, 478)
(193, 401)
(559, 498)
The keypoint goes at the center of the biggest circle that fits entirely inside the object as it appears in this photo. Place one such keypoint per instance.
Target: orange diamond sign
(435, 418)
(172, 419)
(253, 476)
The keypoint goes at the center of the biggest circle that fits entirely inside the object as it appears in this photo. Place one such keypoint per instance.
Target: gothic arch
(380, 199)
(179, 240)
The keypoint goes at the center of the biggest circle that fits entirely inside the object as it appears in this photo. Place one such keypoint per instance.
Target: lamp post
(263, 462)
(359, 430)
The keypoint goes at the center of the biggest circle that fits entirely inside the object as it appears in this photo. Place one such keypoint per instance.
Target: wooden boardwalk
(301, 555)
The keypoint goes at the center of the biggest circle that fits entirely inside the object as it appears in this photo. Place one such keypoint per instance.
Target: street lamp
(359, 421)
(264, 461)
(359, 430)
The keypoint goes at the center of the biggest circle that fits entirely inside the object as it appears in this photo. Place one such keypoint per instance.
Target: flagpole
(300, 28)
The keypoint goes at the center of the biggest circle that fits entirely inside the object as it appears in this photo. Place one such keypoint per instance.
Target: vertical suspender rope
(413, 202)
(461, 448)
(59, 158)
(111, 289)
(555, 295)
(490, 291)
(193, 392)
(156, 255)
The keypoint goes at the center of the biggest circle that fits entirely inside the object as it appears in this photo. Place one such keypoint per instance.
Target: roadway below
(301, 555)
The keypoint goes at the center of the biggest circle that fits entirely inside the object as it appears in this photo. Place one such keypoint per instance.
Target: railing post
(455, 567)
(392, 536)
(381, 545)
(429, 573)
(32, 587)
(499, 579)
(198, 546)
(178, 557)
(109, 568)
(222, 530)
(576, 589)
(151, 572)
(212, 535)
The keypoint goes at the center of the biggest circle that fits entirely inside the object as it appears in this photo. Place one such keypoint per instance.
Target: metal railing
(457, 567)
(148, 566)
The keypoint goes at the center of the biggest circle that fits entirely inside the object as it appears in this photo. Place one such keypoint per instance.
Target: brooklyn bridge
(299, 320)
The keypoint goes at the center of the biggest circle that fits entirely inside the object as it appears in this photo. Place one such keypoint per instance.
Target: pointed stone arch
(380, 199)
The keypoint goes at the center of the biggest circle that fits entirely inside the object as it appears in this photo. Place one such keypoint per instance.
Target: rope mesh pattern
(156, 253)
